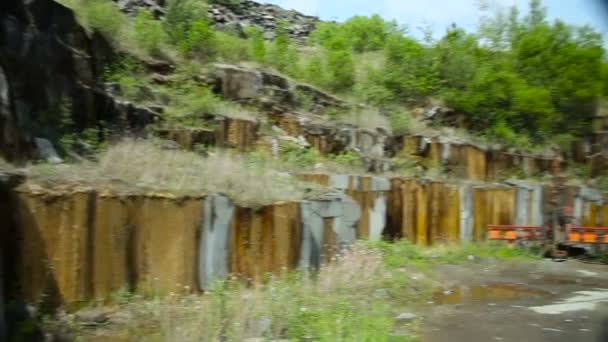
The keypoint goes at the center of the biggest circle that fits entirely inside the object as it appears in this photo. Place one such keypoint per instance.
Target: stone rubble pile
(266, 17)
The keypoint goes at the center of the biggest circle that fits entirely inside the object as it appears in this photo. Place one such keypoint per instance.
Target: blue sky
(441, 13)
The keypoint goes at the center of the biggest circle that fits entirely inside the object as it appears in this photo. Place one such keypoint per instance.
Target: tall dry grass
(368, 118)
(139, 164)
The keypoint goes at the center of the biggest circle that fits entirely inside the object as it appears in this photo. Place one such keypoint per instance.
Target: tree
(340, 64)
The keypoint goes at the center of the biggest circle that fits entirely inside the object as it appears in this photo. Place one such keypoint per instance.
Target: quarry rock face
(265, 17)
(50, 69)
(79, 244)
(235, 18)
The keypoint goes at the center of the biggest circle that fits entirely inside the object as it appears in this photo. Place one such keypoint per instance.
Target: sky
(439, 14)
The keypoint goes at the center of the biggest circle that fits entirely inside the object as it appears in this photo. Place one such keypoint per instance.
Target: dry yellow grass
(368, 118)
(138, 164)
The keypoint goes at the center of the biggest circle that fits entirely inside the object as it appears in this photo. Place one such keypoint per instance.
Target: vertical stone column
(466, 213)
(214, 244)
(316, 239)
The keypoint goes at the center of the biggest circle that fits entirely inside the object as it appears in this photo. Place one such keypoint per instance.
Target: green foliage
(401, 122)
(340, 65)
(348, 159)
(411, 71)
(149, 32)
(368, 33)
(226, 2)
(257, 44)
(190, 103)
(199, 40)
(314, 71)
(231, 48)
(297, 156)
(520, 78)
(581, 171)
(279, 52)
(403, 253)
(101, 15)
(129, 75)
(181, 16)
(355, 298)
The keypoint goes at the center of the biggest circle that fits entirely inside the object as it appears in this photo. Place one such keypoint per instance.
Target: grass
(137, 164)
(356, 297)
(404, 253)
(353, 299)
(367, 118)
(293, 158)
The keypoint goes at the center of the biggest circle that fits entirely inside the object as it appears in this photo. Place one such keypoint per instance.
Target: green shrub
(279, 50)
(502, 132)
(181, 16)
(297, 156)
(313, 71)
(191, 102)
(200, 40)
(349, 159)
(401, 122)
(257, 44)
(101, 15)
(340, 65)
(130, 76)
(149, 32)
(226, 2)
(231, 48)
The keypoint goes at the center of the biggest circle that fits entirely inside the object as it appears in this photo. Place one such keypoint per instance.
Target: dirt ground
(519, 301)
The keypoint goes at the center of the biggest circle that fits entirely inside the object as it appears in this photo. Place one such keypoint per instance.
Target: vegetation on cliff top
(519, 79)
(145, 166)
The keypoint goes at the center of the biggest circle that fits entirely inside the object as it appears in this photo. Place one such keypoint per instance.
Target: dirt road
(519, 301)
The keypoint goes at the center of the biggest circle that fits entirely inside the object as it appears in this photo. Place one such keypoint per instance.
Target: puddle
(557, 280)
(487, 293)
(581, 300)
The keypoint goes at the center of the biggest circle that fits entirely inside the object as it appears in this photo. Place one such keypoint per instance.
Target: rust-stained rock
(165, 244)
(471, 162)
(189, 138)
(265, 241)
(369, 192)
(424, 212)
(112, 235)
(236, 133)
(77, 244)
(82, 245)
(54, 246)
(492, 205)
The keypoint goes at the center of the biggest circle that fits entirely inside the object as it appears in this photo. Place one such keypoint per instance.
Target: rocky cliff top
(265, 17)
(234, 18)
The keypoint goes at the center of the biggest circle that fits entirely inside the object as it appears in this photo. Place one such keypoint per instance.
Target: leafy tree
(340, 64)
(411, 69)
(367, 33)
